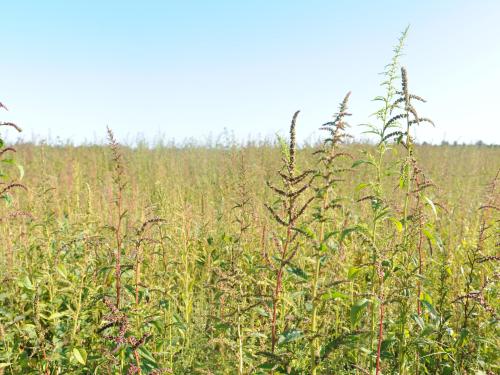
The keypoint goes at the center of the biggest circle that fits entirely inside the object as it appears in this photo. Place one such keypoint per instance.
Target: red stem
(275, 307)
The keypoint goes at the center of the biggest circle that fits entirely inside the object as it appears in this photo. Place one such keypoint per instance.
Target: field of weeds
(339, 258)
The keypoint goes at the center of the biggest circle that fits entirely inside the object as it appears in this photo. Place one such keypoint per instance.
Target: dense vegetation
(265, 258)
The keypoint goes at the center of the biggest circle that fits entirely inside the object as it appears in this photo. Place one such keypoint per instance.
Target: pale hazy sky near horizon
(188, 69)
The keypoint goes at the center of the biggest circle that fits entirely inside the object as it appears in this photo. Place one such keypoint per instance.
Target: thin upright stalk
(118, 238)
(120, 185)
(314, 314)
(277, 288)
(380, 326)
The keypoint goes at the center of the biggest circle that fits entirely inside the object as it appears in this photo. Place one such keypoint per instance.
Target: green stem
(314, 318)
(408, 179)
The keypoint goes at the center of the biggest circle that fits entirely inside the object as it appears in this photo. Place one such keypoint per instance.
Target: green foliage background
(204, 293)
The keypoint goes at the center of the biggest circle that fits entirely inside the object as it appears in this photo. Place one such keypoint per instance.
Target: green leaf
(289, 336)
(428, 234)
(7, 198)
(431, 204)
(464, 332)
(432, 311)
(285, 152)
(334, 295)
(26, 283)
(346, 232)
(268, 366)
(62, 270)
(299, 272)
(397, 224)
(80, 355)
(376, 206)
(425, 297)
(323, 248)
(262, 312)
(357, 310)
(361, 186)
(306, 232)
(448, 270)
(419, 321)
(57, 315)
(359, 162)
(352, 272)
(146, 354)
(402, 182)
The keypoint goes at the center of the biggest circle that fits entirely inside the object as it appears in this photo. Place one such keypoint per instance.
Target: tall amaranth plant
(286, 211)
(330, 223)
(412, 183)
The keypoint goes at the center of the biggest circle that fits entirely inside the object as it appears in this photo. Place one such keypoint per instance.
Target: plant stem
(315, 348)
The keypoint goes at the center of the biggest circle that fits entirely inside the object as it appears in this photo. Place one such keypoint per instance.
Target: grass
(337, 258)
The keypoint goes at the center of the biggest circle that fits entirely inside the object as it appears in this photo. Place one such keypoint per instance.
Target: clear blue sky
(192, 68)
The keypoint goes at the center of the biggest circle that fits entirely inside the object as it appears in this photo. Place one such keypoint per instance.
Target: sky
(197, 69)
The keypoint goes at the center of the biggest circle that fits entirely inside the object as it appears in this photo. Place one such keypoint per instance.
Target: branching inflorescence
(294, 185)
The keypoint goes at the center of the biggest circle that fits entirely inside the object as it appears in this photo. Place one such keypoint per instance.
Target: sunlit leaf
(289, 336)
(80, 355)
(357, 310)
